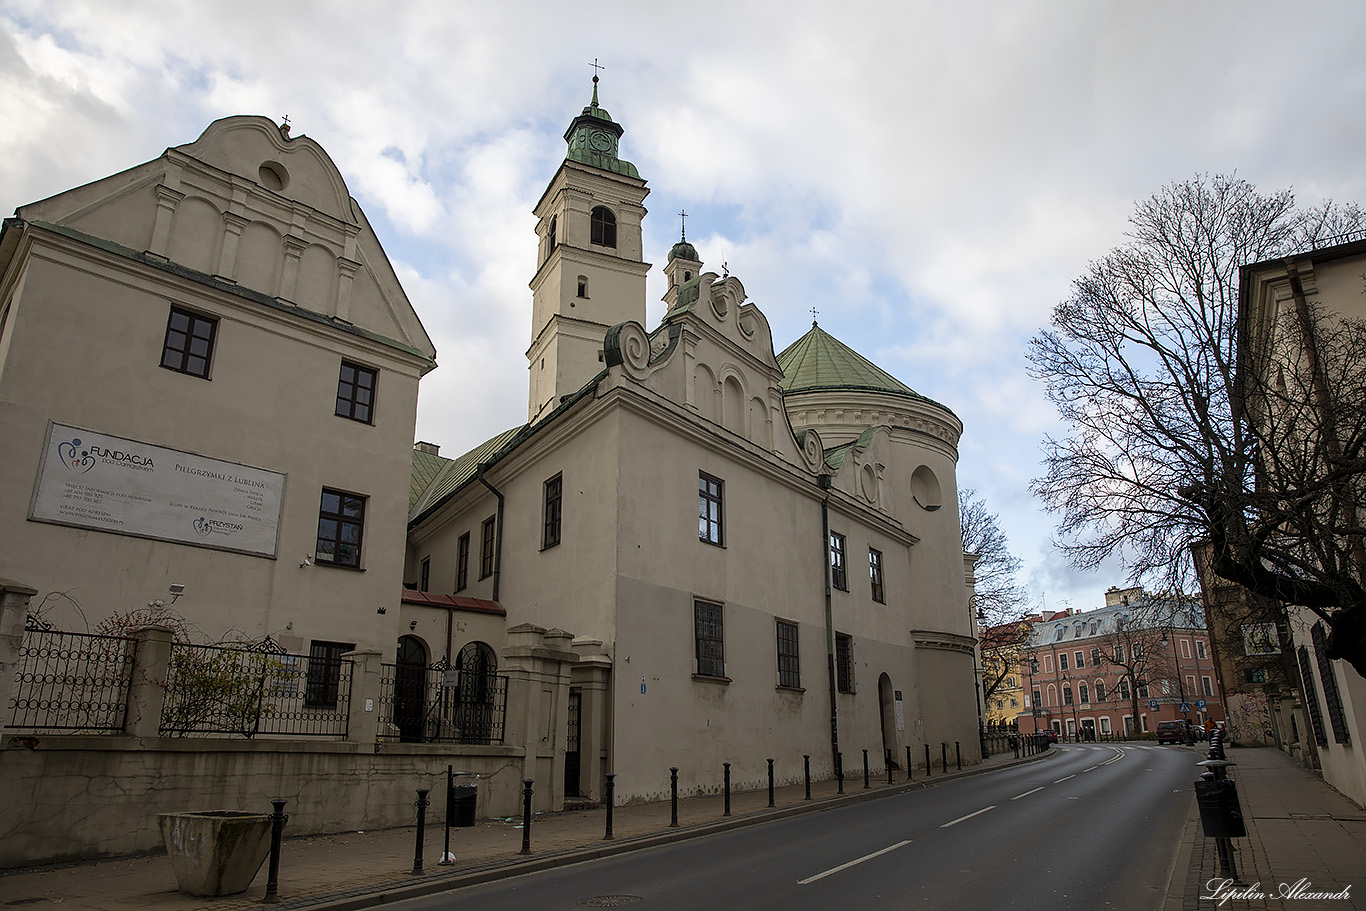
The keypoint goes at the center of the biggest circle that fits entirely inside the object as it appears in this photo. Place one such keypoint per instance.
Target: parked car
(1173, 732)
(1050, 735)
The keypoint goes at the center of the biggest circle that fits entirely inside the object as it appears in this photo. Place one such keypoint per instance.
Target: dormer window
(604, 227)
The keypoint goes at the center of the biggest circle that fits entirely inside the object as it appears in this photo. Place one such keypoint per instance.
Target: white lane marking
(1119, 754)
(969, 816)
(1061, 780)
(1026, 793)
(812, 879)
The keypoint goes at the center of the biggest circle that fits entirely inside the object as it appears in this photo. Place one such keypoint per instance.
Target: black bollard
(806, 764)
(958, 752)
(727, 787)
(673, 789)
(943, 757)
(422, 804)
(445, 860)
(888, 760)
(770, 782)
(928, 770)
(908, 762)
(526, 815)
(277, 828)
(865, 769)
(611, 786)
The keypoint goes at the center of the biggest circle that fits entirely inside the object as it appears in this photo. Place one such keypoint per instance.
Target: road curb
(400, 890)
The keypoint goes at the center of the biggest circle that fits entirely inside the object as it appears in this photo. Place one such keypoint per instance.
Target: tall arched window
(551, 236)
(604, 227)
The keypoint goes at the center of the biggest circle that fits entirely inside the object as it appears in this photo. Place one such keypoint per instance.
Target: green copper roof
(434, 476)
(684, 250)
(593, 138)
(818, 360)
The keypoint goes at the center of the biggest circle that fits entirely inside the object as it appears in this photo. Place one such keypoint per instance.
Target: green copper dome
(593, 139)
(819, 361)
(684, 250)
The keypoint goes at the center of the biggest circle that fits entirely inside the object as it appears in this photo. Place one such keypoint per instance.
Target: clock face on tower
(600, 141)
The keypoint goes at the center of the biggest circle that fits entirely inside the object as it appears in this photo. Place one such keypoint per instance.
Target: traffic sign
(1185, 707)
(1200, 704)
(1153, 705)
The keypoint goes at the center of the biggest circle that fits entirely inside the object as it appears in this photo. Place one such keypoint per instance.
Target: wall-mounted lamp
(412, 624)
(177, 589)
(308, 561)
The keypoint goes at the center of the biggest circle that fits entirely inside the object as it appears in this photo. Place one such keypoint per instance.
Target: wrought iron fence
(440, 705)
(71, 683)
(256, 690)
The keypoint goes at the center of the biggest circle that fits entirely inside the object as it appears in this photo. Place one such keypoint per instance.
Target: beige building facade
(758, 553)
(208, 388)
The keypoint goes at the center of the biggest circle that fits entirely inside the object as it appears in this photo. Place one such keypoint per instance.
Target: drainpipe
(497, 532)
(823, 481)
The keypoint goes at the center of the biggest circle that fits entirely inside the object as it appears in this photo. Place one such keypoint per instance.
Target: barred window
(844, 662)
(1331, 695)
(324, 672)
(839, 576)
(710, 636)
(789, 667)
(709, 527)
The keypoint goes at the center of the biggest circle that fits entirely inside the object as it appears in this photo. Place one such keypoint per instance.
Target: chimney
(429, 448)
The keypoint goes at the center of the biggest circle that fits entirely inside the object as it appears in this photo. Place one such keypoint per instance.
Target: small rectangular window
(1083, 694)
(322, 681)
(341, 521)
(1185, 648)
(462, 562)
(710, 639)
(709, 528)
(1119, 654)
(839, 575)
(1205, 686)
(789, 667)
(1124, 688)
(188, 347)
(1038, 698)
(875, 574)
(1100, 691)
(356, 392)
(550, 533)
(844, 662)
(1062, 661)
(426, 579)
(1081, 659)
(1200, 649)
(486, 548)
(1066, 695)
(1095, 657)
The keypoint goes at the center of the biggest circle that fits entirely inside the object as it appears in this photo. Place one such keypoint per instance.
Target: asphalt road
(1090, 827)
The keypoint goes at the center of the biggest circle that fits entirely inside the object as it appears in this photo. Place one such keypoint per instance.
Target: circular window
(925, 488)
(273, 175)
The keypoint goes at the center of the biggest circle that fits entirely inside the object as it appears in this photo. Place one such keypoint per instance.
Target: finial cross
(684, 215)
(813, 314)
(596, 66)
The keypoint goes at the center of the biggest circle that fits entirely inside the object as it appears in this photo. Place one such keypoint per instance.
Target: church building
(758, 554)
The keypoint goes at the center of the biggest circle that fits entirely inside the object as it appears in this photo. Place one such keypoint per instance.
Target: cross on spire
(813, 316)
(684, 216)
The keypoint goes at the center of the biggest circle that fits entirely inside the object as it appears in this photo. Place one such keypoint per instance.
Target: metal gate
(571, 750)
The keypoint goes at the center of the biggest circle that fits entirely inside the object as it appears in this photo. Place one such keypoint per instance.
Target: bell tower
(590, 271)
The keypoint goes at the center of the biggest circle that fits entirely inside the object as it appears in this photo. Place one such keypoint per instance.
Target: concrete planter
(216, 852)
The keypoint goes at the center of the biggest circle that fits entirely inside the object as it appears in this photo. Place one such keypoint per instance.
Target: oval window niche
(925, 488)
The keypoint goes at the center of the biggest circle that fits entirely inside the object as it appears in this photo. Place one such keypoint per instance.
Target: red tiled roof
(458, 602)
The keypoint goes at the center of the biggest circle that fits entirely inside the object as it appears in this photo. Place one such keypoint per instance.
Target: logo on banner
(75, 458)
(205, 526)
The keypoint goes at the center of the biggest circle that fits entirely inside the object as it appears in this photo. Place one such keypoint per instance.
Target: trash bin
(1220, 813)
(461, 807)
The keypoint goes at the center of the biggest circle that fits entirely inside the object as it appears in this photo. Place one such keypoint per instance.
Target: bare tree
(1166, 447)
(998, 600)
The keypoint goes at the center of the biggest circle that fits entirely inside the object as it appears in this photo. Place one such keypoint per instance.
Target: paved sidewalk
(1298, 828)
(363, 869)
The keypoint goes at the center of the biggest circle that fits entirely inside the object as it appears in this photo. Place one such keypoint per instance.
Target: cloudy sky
(929, 176)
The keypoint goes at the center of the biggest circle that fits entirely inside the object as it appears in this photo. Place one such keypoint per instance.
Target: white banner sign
(108, 483)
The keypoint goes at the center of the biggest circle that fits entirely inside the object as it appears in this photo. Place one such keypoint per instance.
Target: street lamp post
(1076, 725)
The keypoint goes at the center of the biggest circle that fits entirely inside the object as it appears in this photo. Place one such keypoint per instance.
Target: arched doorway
(476, 668)
(410, 689)
(887, 702)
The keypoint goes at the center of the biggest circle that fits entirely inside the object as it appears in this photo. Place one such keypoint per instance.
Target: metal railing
(249, 691)
(71, 683)
(440, 705)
